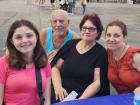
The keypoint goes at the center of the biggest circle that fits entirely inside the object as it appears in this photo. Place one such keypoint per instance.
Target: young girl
(17, 68)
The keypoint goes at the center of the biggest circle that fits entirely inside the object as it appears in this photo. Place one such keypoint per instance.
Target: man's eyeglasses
(90, 29)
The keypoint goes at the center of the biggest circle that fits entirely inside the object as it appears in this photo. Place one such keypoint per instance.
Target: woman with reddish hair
(124, 60)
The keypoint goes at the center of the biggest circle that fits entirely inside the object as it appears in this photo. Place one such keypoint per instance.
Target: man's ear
(51, 22)
(68, 21)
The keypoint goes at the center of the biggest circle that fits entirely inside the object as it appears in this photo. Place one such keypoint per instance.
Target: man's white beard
(59, 33)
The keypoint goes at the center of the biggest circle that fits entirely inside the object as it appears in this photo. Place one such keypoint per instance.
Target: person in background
(70, 7)
(58, 34)
(52, 4)
(17, 68)
(83, 4)
(81, 64)
(64, 5)
(40, 2)
(74, 6)
(124, 59)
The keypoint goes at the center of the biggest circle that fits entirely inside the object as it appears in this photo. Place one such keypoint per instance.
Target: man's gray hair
(59, 11)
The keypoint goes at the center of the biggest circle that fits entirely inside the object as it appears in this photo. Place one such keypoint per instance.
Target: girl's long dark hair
(15, 58)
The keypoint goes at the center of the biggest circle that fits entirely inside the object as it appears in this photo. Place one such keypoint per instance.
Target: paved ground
(10, 10)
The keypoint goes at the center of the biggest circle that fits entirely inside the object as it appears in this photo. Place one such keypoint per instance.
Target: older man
(58, 34)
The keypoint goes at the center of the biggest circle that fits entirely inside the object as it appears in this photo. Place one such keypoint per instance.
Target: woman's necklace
(118, 56)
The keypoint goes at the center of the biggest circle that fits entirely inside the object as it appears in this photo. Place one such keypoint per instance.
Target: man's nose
(58, 23)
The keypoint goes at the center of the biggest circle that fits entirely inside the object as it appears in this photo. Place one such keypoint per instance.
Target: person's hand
(60, 93)
(137, 90)
(52, 54)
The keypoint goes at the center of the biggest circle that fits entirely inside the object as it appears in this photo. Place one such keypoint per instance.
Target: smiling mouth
(88, 35)
(111, 43)
(25, 45)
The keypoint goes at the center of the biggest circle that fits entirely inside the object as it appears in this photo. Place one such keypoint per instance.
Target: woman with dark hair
(81, 65)
(124, 60)
(17, 68)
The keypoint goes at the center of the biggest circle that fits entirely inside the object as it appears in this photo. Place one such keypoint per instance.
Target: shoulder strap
(39, 86)
(69, 36)
(49, 40)
(69, 44)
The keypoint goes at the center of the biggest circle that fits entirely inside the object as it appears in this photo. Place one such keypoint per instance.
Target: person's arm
(94, 87)
(75, 36)
(60, 92)
(1, 93)
(47, 94)
(136, 61)
(43, 35)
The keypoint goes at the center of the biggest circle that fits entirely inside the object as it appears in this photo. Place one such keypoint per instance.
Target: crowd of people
(66, 61)
(67, 5)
